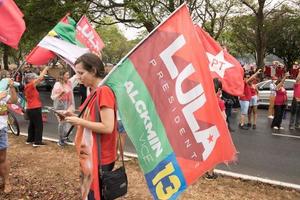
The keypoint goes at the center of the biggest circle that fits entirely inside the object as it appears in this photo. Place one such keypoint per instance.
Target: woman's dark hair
(217, 84)
(92, 63)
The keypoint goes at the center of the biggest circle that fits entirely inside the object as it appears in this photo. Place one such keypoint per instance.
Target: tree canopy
(253, 27)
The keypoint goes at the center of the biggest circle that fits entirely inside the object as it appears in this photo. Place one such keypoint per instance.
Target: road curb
(258, 179)
(221, 172)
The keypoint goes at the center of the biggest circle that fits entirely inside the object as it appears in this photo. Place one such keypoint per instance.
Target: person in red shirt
(245, 99)
(295, 108)
(34, 108)
(252, 111)
(98, 119)
(279, 104)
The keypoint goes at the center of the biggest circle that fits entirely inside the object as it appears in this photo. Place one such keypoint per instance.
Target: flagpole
(18, 68)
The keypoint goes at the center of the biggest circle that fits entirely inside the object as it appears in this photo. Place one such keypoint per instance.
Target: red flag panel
(87, 35)
(222, 65)
(174, 67)
(12, 25)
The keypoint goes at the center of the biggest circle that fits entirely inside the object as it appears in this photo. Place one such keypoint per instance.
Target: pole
(18, 69)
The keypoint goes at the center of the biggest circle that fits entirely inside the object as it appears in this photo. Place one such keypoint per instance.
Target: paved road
(261, 154)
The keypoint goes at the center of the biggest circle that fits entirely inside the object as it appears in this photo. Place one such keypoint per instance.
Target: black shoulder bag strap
(80, 114)
(98, 119)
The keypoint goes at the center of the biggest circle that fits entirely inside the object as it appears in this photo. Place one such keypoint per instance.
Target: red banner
(222, 65)
(173, 65)
(12, 25)
(88, 36)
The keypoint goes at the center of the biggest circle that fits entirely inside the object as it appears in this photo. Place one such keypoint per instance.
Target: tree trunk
(5, 57)
(260, 38)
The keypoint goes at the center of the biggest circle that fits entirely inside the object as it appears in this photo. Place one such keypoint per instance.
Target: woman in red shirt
(98, 119)
(252, 111)
(245, 99)
(34, 108)
(295, 107)
(279, 104)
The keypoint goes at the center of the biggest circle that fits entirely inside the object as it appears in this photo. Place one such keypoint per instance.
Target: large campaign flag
(12, 25)
(67, 41)
(222, 65)
(87, 35)
(168, 106)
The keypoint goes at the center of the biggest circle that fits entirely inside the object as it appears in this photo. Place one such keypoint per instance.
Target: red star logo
(210, 138)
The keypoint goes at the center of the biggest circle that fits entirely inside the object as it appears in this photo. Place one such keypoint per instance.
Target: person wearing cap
(34, 108)
(272, 98)
(295, 107)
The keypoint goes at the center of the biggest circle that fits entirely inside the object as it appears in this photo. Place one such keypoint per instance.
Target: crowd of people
(278, 102)
(100, 114)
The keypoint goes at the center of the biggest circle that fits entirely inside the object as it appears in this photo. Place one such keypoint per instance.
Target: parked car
(264, 91)
(47, 83)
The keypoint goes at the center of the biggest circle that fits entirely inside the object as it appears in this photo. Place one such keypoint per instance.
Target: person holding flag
(34, 108)
(99, 118)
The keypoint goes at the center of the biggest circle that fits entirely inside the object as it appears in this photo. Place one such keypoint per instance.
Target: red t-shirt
(32, 96)
(247, 93)
(253, 90)
(86, 141)
(297, 90)
(106, 98)
(281, 97)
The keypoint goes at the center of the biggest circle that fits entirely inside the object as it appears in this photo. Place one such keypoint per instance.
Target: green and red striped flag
(67, 39)
(169, 109)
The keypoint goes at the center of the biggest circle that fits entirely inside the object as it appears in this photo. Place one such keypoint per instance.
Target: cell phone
(62, 116)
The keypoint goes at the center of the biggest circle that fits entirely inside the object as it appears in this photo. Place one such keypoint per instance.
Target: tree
(117, 45)
(213, 15)
(149, 13)
(261, 9)
(239, 36)
(283, 30)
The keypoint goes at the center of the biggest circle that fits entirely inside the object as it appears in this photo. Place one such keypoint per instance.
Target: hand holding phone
(56, 112)
(60, 115)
